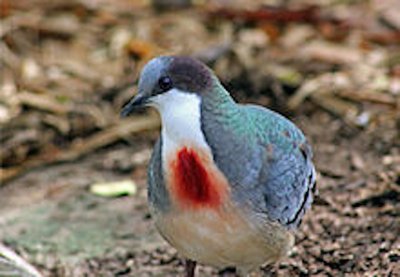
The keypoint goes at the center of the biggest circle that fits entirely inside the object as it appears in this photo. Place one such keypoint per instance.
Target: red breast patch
(196, 182)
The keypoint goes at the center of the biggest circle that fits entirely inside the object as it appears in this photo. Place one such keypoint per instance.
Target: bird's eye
(165, 83)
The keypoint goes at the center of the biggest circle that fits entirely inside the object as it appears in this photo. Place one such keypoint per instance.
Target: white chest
(180, 116)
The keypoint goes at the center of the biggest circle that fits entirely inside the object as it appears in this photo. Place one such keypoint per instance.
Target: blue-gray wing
(266, 160)
(286, 182)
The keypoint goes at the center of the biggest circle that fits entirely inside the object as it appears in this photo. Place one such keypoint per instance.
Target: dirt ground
(49, 216)
(353, 228)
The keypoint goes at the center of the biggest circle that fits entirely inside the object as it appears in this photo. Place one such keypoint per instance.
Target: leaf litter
(68, 67)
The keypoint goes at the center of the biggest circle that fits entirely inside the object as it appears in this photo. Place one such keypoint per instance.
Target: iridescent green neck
(218, 102)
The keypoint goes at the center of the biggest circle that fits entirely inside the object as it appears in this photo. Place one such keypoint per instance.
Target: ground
(352, 228)
(49, 216)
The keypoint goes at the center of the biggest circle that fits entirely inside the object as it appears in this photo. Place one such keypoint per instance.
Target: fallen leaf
(114, 189)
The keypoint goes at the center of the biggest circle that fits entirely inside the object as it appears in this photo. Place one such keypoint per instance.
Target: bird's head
(164, 79)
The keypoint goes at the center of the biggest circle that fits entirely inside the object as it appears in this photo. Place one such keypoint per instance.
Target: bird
(228, 183)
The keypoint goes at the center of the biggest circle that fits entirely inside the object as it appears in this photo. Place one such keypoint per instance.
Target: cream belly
(222, 239)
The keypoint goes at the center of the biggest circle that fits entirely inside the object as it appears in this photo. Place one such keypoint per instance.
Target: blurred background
(73, 174)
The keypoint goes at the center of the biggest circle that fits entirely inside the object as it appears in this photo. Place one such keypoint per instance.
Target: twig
(368, 96)
(309, 14)
(385, 38)
(343, 109)
(80, 148)
(13, 265)
(378, 199)
(42, 102)
(8, 57)
(332, 53)
(20, 20)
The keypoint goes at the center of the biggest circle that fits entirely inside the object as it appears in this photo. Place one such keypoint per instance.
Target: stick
(80, 148)
(13, 265)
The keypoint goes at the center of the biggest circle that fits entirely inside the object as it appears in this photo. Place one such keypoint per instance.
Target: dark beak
(136, 102)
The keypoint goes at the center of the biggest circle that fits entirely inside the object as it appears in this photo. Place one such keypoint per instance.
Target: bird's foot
(228, 272)
(190, 268)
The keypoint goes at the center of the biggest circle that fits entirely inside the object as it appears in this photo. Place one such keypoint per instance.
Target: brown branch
(369, 96)
(308, 14)
(79, 148)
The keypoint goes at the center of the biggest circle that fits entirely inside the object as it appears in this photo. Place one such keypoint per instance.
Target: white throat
(180, 116)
